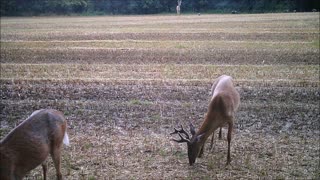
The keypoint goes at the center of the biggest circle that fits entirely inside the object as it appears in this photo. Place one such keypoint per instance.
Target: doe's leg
(44, 168)
(56, 156)
(220, 133)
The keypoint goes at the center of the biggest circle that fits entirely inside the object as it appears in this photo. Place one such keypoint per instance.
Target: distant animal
(314, 10)
(224, 103)
(29, 144)
(234, 12)
(178, 7)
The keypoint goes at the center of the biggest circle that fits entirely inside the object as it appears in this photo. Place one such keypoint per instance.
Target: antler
(179, 132)
(176, 131)
(182, 140)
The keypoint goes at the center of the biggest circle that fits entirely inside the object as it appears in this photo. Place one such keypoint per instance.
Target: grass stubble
(124, 82)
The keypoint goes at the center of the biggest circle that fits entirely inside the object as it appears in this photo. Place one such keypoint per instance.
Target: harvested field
(124, 82)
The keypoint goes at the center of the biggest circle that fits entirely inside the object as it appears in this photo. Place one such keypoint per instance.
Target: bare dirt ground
(124, 82)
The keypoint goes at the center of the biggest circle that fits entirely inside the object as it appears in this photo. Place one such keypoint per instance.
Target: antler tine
(184, 132)
(176, 131)
(182, 140)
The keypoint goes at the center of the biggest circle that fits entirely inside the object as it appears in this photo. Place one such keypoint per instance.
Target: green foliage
(151, 6)
(97, 7)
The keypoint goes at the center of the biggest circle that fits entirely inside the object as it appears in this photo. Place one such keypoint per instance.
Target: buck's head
(194, 143)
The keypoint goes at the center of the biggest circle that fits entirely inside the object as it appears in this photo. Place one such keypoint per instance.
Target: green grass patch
(305, 73)
(160, 44)
(139, 102)
(316, 44)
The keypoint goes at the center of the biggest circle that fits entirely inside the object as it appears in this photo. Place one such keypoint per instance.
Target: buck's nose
(191, 162)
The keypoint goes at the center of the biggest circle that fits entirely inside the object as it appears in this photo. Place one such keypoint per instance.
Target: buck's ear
(199, 137)
(192, 130)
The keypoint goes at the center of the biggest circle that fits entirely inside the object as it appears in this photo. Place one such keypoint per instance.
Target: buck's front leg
(201, 151)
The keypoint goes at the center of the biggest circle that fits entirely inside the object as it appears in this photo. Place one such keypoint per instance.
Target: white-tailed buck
(224, 103)
(29, 144)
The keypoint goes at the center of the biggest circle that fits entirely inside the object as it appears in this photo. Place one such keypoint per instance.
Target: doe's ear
(192, 130)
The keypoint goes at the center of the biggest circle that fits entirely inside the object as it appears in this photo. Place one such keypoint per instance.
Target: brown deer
(29, 144)
(224, 103)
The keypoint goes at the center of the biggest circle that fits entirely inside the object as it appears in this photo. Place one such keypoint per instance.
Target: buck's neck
(209, 125)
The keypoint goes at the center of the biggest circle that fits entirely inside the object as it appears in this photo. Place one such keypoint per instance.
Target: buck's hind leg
(220, 137)
(211, 145)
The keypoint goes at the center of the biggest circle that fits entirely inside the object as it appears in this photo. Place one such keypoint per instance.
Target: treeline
(101, 7)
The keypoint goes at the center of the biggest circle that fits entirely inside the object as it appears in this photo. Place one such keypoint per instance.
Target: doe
(29, 144)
